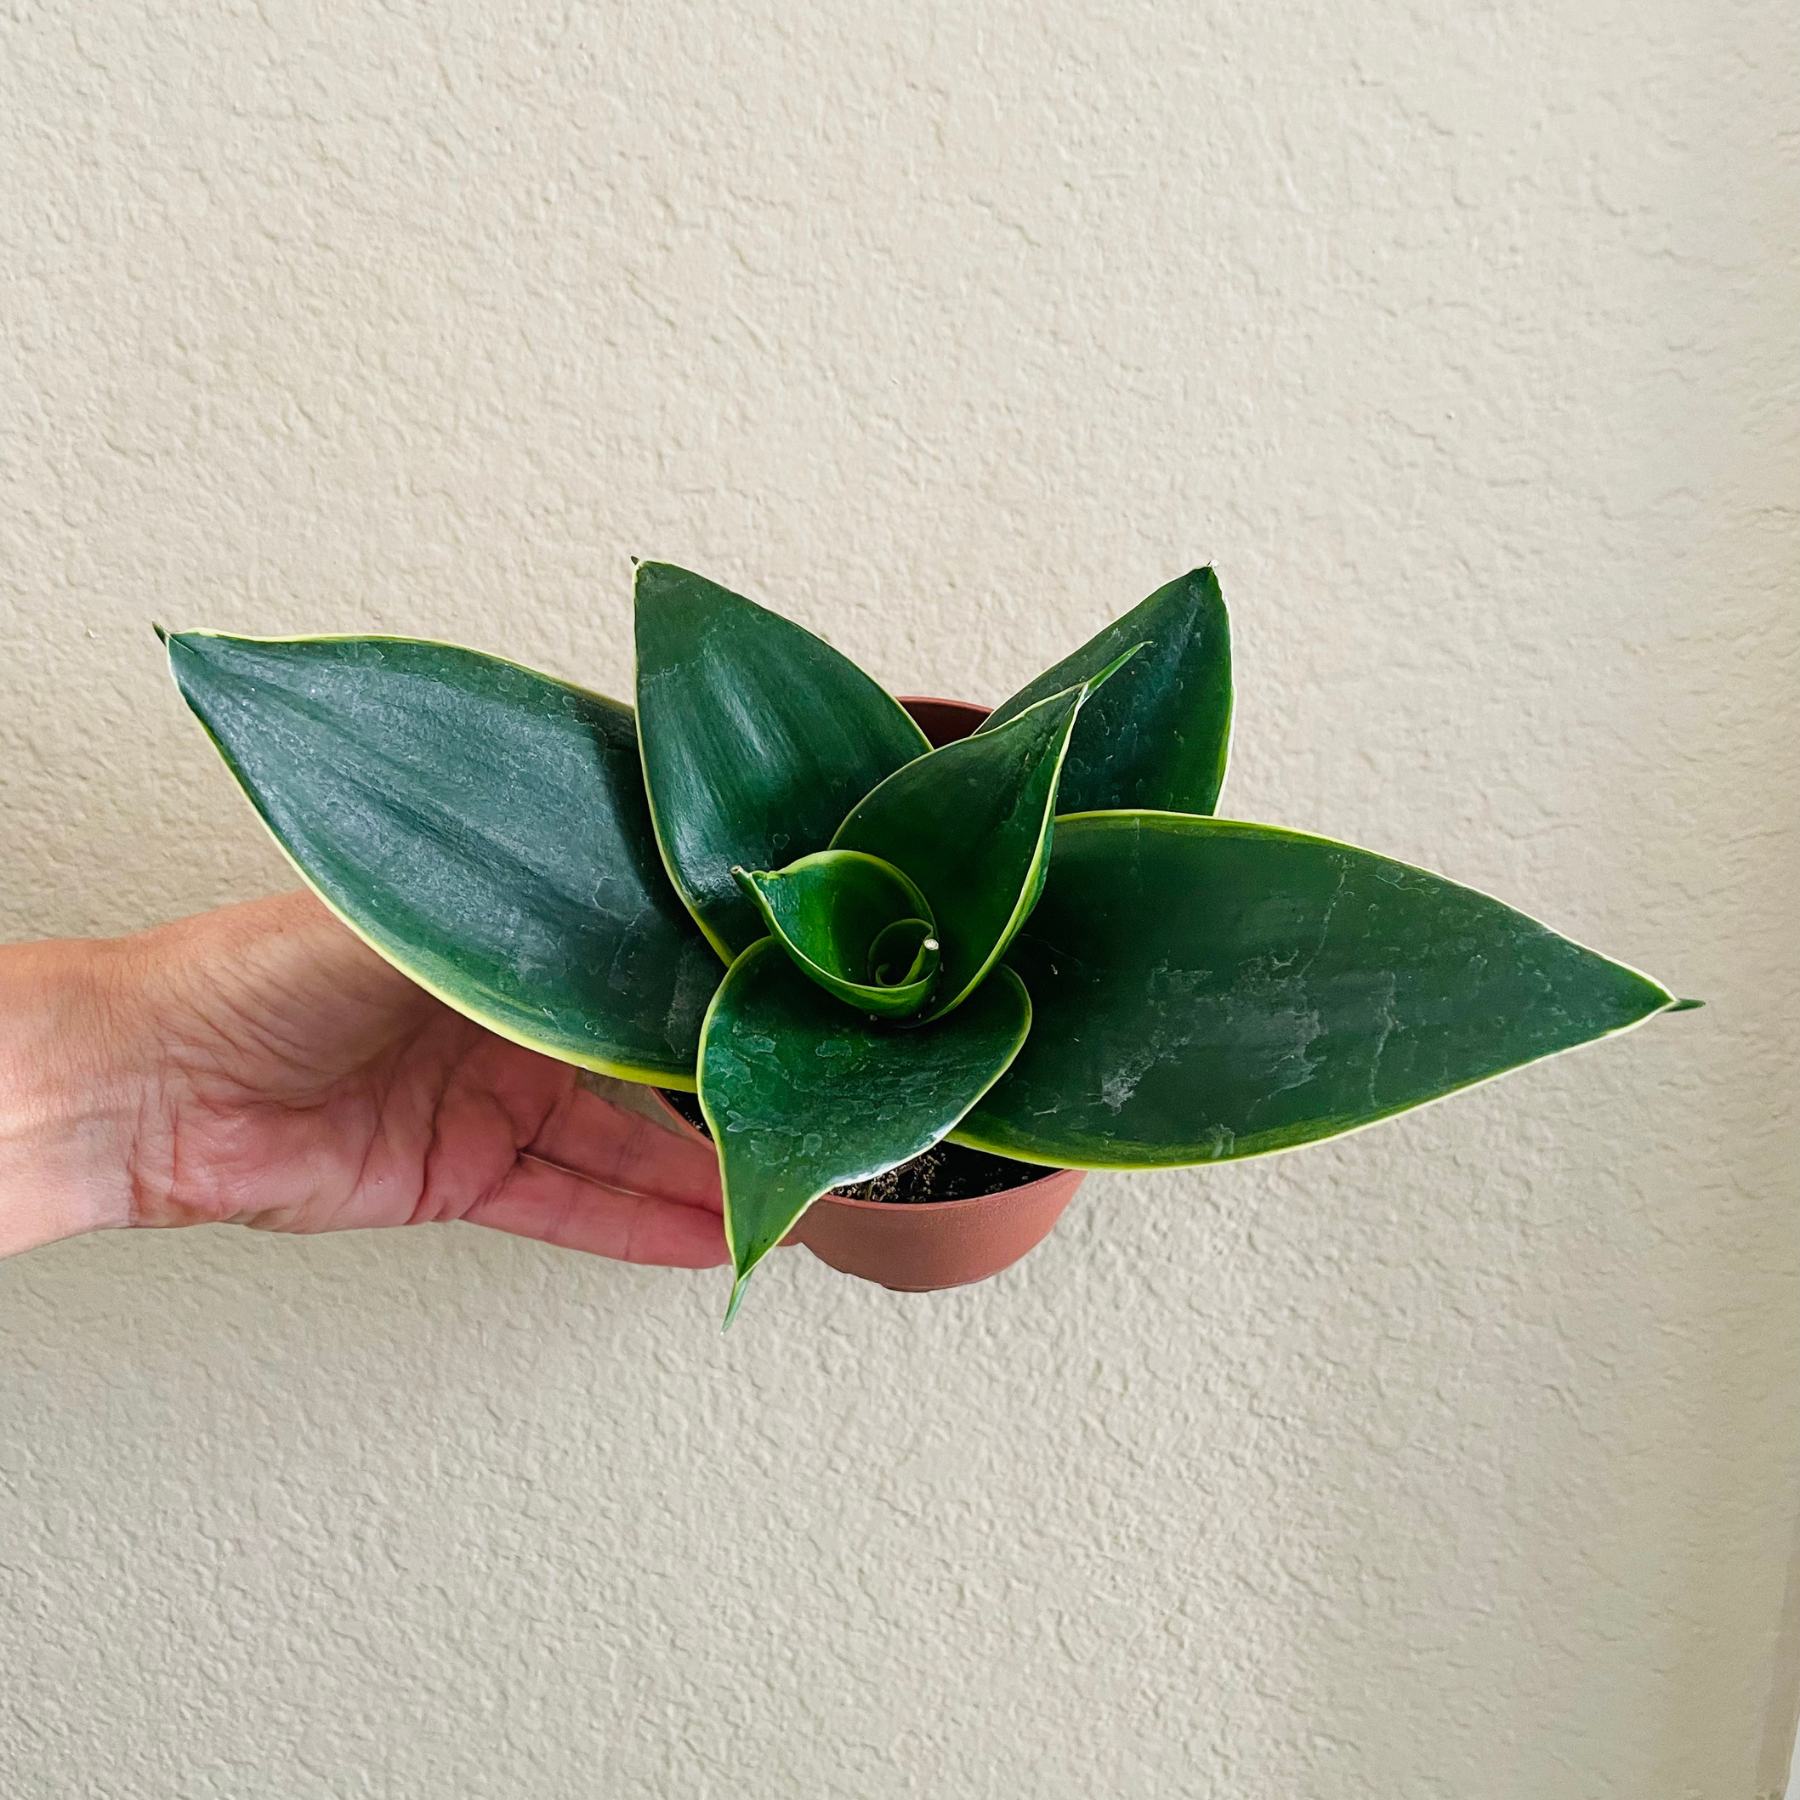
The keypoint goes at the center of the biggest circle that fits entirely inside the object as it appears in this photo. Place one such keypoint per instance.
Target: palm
(301, 1084)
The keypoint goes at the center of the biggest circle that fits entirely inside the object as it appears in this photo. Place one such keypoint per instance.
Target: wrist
(69, 1096)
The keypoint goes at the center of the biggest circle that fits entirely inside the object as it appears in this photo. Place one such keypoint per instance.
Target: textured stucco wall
(1460, 1459)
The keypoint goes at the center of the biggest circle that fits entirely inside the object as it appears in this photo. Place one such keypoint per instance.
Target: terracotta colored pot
(937, 1244)
(942, 1243)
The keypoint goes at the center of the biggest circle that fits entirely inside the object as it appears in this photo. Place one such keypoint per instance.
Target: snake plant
(763, 884)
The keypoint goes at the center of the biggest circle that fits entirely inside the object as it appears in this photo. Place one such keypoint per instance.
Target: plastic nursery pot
(921, 1247)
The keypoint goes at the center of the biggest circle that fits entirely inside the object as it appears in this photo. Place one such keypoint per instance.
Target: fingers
(556, 1206)
(610, 1182)
(623, 1149)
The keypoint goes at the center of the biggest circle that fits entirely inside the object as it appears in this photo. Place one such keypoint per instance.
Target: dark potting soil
(944, 1172)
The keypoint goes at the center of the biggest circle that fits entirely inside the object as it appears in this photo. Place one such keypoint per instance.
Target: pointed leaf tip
(162, 636)
(1240, 989)
(1158, 736)
(737, 1299)
(1113, 667)
(1687, 1006)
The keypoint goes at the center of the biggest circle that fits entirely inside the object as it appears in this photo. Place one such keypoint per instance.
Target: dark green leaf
(1157, 736)
(803, 1095)
(757, 739)
(848, 921)
(1206, 990)
(483, 827)
(970, 823)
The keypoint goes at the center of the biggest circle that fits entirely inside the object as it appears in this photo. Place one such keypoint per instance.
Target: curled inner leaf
(903, 953)
(854, 924)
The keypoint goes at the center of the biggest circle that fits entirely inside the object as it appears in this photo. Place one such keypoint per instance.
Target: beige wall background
(1459, 1459)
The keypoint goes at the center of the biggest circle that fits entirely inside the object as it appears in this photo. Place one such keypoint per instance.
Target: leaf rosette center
(853, 923)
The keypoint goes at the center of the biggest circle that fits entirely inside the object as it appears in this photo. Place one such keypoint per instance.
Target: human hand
(261, 1066)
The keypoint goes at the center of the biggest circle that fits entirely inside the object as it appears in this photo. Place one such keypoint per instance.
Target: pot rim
(1050, 1171)
(935, 1206)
